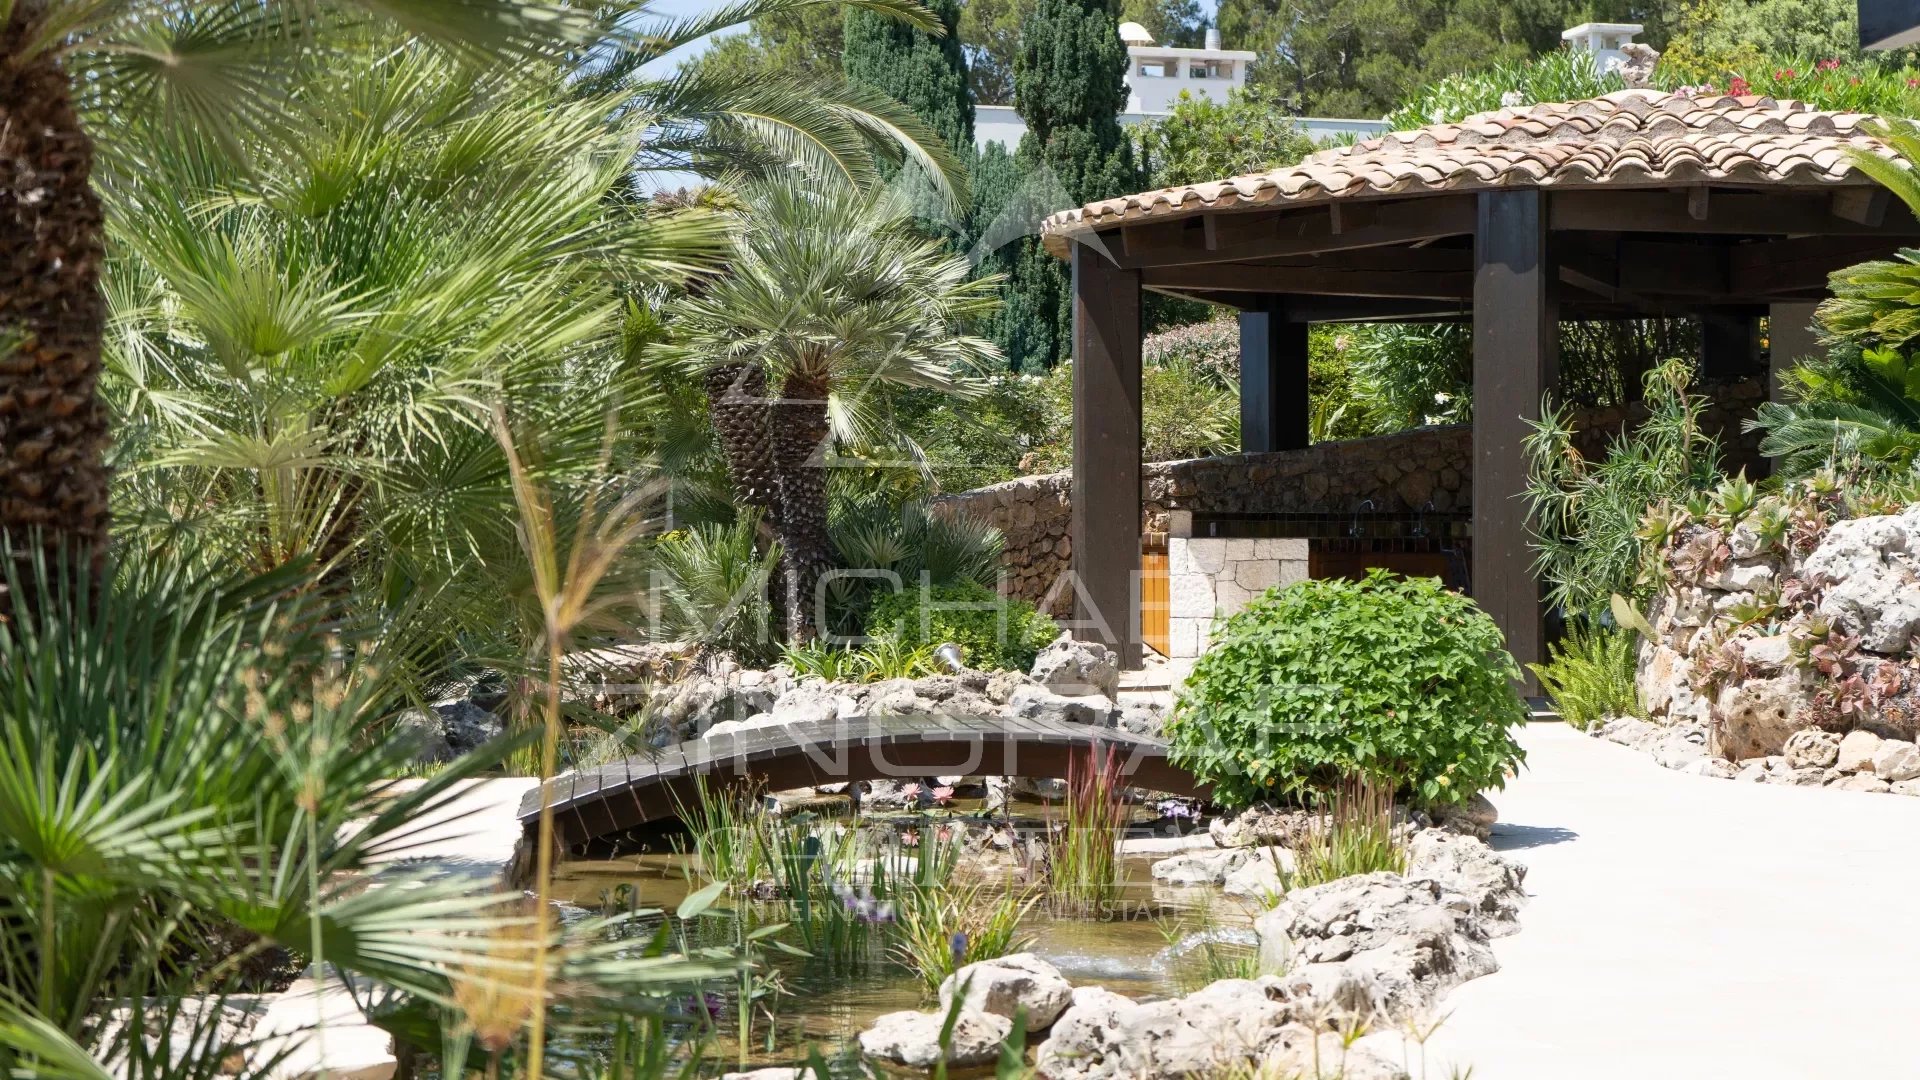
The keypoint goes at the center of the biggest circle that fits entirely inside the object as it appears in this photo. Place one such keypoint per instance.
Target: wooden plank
(1760, 270)
(1774, 211)
(1515, 362)
(1106, 454)
(1273, 382)
(1315, 281)
(1242, 234)
(1156, 627)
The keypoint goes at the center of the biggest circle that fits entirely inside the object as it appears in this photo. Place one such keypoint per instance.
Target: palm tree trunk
(53, 427)
(737, 402)
(800, 431)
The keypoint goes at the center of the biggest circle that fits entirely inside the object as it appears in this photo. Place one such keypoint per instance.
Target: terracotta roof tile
(1630, 137)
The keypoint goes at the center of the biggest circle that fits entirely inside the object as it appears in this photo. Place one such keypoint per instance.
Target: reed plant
(1355, 834)
(941, 929)
(1083, 849)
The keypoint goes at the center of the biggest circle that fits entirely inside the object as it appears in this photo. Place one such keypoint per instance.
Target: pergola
(1634, 204)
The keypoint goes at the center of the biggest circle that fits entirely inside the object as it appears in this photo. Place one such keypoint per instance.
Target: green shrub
(1590, 675)
(997, 632)
(1321, 681)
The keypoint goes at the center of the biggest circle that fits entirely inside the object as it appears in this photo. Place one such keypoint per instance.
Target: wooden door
(1155, 599)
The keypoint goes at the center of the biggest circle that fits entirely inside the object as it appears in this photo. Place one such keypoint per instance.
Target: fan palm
(830, 291)
(73, 69)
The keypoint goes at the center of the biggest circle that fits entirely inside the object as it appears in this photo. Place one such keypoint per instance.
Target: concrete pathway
(1688, 927)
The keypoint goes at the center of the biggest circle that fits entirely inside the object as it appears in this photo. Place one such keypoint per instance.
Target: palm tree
(830, 291)
(221, 73)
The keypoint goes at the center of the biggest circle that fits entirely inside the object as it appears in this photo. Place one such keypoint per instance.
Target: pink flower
(1783, 75)
(1911, 83)
(1827, 65)
(1738, 87)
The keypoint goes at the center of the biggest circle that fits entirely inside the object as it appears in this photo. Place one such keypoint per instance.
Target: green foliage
(997, 633)
(715, 588)
(925, 73)
(1185, 413)
(885, 657)
(1210, 349)
(1405, 376)
(1589, 674)
(1354, 835)
(983, 915)
(1201, 140)
(1396, 680)
(1883, 84)
(1587, 515)
(1069, 87)
(1714, 37)
(1853, 406)
(1563, 75)
(984, 441)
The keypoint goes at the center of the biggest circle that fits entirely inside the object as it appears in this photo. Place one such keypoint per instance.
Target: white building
(1156, 77)
(1604, 40)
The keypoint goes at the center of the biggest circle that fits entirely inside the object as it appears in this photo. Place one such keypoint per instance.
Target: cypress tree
(1069, 86)
(925, 73)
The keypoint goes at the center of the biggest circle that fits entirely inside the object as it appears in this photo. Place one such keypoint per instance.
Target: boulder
(1757, 714)
(1260, 825)
(1404, 941)
(1856, 751)
(1468, 871)
(1868, 568)
(1230, 1025)
(1896, 760)
(1200, 867)
(1138, 718)
(1078, 668)
(424, 734)
(1031, 702)
(1009, 984)
(1860, 782)
(467, 725)
(1906, 787)
(1475, 817)
(1811, 748)
(913, 1038)
(1263, 877)
(812, 703)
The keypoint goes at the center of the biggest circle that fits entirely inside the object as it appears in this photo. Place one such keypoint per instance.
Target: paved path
(1688, 927)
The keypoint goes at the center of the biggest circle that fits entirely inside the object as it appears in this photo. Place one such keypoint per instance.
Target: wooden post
(1729, 346)
(1516, 360)
(1790, 339)
(1106, 453)
(1273, 380)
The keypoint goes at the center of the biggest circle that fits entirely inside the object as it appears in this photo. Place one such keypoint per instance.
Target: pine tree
(925, 73)
(1069, 87)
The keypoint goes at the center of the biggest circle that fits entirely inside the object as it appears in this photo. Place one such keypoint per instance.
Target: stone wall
(1786, 642)
(1424, 470)
(1217, 576)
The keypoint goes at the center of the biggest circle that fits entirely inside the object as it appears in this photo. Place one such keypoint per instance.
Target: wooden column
(1273, 380)
(1106, 453)
(1516, 360)
(1729, 346)
(1790, 339)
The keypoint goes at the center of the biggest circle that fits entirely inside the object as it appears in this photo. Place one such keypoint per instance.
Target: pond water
(1152, 940)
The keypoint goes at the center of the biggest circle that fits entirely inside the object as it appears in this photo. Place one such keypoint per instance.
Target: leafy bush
(1563, 75)
(716, 588)
(1211, 349)
(996, 632)
(1200, 139)
(1185, 413)
(1590, 674)
(1318, 682)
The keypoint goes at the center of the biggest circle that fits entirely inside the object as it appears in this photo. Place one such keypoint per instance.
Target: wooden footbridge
(598, 802)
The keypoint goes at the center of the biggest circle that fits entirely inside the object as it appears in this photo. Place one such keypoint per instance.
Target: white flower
(1442, 398)
(1512, 99)
(1439, 115)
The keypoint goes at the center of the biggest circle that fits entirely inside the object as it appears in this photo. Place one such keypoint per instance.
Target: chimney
(1213, 37)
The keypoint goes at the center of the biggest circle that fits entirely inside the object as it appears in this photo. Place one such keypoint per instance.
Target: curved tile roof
(1629, 138)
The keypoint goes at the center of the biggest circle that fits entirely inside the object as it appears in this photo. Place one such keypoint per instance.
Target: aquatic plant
(1355, 835)
(1083, 850)
(943, 925)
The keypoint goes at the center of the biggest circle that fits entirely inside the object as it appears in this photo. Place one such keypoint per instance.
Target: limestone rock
(1868, 566)
(1231, 1024)
(1032, 702)
(1398, 938)
(1856, 751)
(1200, 867)
(1005, 986)
(1861, 782)
(1906, 787)
(1811, 748)
(1757, 715)
(422, 730)
(1466, 869)
(1475, 817)
(1077, 667)
(913, 1038)
(1263, 877)
(1896, 760)
(1260, 824)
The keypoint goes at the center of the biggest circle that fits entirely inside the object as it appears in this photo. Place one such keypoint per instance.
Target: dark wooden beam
(1865, 205)
(1273, 381)
(1515, 363)
(1781, 266)
(1315, 281)
(1766, 212)
(1237, 235)
(1106, 454)
(1729, 345)
(1321, 309)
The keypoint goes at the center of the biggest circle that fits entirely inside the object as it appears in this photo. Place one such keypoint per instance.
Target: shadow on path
(1510, 837)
